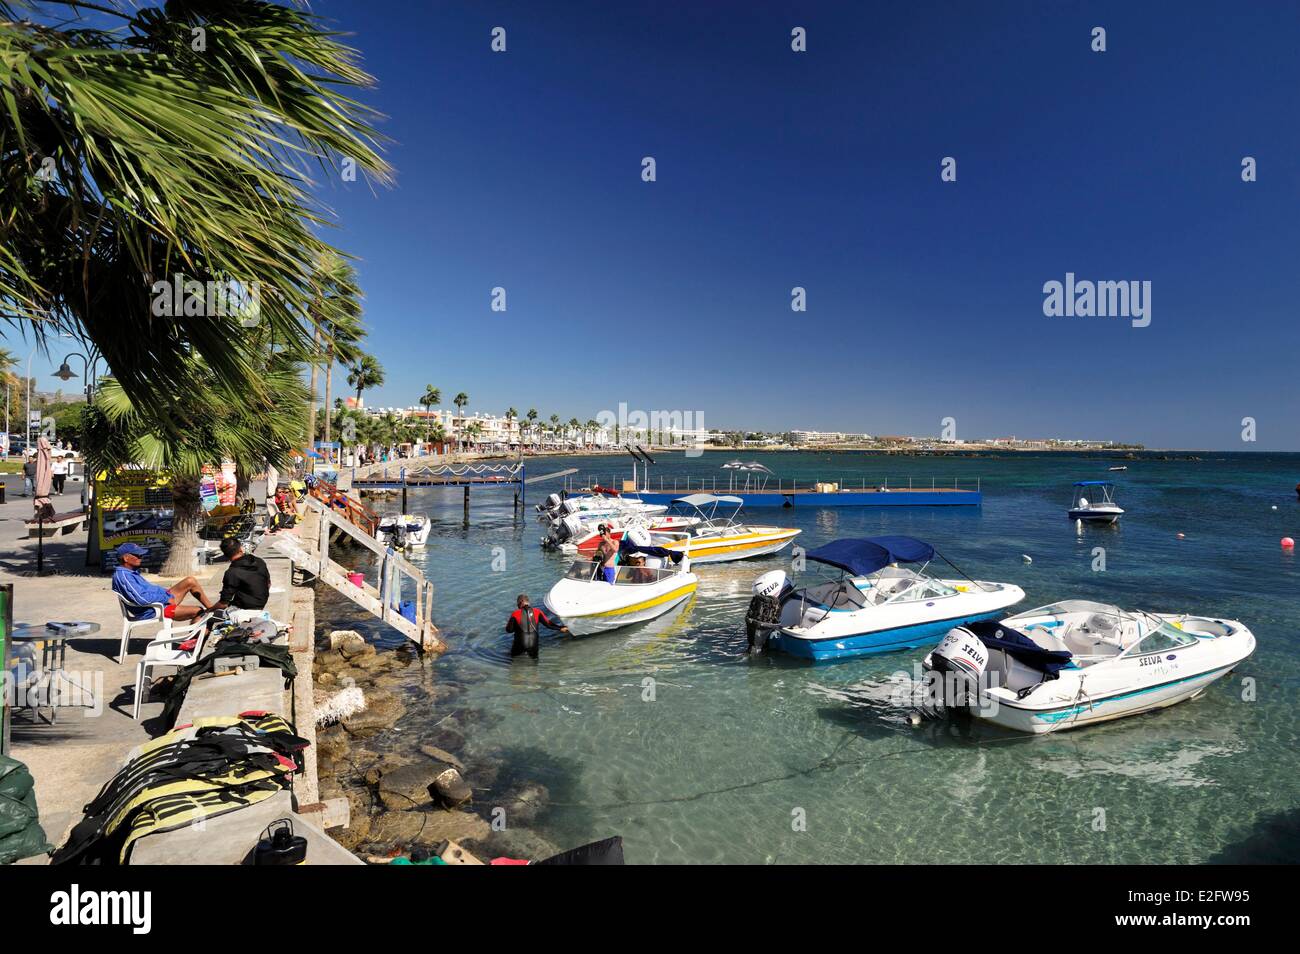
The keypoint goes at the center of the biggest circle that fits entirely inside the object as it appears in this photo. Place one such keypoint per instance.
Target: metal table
(53, 668)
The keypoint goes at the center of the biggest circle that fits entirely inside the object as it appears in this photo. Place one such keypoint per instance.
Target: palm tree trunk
(311, 421)
(187, 516)
(329, 375)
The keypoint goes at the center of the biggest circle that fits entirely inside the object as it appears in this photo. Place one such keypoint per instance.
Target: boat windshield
(896, 584)
(588, 570)
(1162, 639)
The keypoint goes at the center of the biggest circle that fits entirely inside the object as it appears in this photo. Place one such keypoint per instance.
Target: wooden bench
(59, 523)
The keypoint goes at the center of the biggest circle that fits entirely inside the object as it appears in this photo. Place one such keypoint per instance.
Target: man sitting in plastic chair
(134, 588)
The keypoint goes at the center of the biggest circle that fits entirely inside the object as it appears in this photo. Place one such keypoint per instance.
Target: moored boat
(587, 603)
(877, 605)
(717, 535)
(1077, 662)
(1103, 510)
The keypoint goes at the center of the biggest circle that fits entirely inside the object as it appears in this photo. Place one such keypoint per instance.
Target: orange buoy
(1288, 543)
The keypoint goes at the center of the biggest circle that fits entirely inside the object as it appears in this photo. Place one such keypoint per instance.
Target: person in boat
(607, 554)
(627, 548)
(135, 589)
(524, 624)
(640, 572)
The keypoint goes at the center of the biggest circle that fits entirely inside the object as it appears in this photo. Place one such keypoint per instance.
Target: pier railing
(726, 485)
(394, 575)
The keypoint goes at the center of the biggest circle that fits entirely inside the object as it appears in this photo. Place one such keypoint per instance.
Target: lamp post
(89, 370)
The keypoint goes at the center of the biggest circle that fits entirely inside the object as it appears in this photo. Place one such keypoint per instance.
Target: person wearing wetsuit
(524, 623)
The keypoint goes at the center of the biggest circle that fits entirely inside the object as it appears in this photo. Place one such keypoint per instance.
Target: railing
(382, 597)
(336, 501)
(716, 485)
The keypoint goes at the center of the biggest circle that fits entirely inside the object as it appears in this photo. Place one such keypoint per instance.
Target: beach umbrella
(44, 509)
(44, 473)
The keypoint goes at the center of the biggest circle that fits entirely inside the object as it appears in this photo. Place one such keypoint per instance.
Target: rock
(409, 786)
(381, 764)
(382, 710)
(426, 828)
(524, 805)
(513, 843)
(442, 755)
(331, 744)
(450, 788)
(325, 679)
(372, 662)
(339, 638)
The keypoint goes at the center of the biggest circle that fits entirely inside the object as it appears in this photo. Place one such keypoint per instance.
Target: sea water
(669, 735)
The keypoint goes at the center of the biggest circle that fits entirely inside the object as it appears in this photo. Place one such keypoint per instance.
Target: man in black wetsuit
(524, 623)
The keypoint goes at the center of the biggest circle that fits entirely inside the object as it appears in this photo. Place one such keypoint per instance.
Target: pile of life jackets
(195, 772)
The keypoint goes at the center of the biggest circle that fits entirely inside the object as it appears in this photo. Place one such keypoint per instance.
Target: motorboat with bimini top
(588, 601)
(1077, 662)
(877, 604)
(403, 530)
(1103, 510)
(718, 536)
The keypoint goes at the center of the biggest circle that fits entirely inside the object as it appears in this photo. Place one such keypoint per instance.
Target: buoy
(1274, 506)
(1288, 543)
(1182, 536)
(1027, 558)
(915, 718)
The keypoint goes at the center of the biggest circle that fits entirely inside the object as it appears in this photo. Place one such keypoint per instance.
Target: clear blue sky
(821, 169)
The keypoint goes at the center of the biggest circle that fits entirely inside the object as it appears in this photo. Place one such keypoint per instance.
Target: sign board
(134, 505)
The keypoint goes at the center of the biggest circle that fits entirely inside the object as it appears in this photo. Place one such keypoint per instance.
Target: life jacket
(198, 771)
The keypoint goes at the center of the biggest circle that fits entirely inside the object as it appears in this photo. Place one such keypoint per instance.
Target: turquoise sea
(670, 736)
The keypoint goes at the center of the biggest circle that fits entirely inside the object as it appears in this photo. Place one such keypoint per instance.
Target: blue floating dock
(844, 498)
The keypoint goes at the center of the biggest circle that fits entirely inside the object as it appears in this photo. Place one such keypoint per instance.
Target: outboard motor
(764, 612)
(563, 530)
(957, 664)
(568, 507)
(638, 536)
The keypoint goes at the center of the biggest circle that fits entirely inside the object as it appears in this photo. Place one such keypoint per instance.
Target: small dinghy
(1077, 662)
(1101, 508)
(403, 530)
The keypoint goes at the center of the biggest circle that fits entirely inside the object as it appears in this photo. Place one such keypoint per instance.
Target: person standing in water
(524, 623)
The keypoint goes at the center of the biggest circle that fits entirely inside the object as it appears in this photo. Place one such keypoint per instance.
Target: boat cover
(862, 556)
(1019, 646)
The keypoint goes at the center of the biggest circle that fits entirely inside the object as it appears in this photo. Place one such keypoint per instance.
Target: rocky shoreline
(406, 779)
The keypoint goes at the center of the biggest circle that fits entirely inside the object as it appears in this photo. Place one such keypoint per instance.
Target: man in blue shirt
(134, 588)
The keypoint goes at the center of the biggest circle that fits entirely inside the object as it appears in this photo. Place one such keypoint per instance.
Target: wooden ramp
(396, 578)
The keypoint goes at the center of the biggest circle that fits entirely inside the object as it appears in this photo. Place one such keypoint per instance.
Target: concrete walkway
(74, 756)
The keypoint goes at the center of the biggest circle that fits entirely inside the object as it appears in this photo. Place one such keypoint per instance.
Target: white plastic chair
(129, 623)
(166, 651)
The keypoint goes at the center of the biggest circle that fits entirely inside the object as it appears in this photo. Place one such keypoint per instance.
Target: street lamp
(89, 369)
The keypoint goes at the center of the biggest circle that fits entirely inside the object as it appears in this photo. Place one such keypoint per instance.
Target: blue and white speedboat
(1101, 508)
(877, 605)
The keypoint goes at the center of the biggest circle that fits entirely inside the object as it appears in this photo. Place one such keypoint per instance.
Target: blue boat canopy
(1094, 483)
(863, 556)
(1019, 646)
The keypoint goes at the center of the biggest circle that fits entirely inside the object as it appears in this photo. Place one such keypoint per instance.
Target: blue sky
(821, 169)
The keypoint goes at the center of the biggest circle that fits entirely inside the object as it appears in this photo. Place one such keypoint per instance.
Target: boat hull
(872, 643)
(588, 612)
(1118, 706)
(723, 549)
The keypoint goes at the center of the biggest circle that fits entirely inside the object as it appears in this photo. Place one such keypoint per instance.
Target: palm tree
(591, 427)
(252, 429)
(532, 421)
(474, 430)
(512, 415)
(132, 164)
(573, 426)
(431, 397)
(366, 372)
(460, 401)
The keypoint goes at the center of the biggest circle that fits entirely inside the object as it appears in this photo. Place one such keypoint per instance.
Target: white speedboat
(1077, 662)
(572, 535)
(1101, 508)
(403, 530)
(597, 507)
(588, 604)
(718, 536)
(876, 605)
